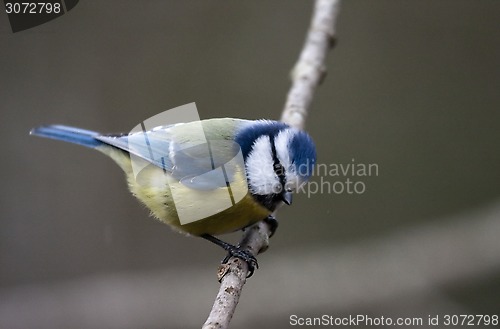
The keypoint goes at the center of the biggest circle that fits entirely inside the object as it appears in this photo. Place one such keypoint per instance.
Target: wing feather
(205, 160)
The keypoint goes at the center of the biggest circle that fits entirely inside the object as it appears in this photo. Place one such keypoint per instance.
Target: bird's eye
(277, 189)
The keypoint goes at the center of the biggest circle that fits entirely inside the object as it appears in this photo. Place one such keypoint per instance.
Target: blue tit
(208, 177)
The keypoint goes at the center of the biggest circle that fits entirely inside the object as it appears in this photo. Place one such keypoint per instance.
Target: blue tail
(68, 134)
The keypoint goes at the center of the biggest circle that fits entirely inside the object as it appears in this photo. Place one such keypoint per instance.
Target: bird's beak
(286, 197)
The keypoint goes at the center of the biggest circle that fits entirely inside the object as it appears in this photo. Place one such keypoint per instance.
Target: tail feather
(68, 134)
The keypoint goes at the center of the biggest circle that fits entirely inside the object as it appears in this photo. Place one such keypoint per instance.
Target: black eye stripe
(277, 166)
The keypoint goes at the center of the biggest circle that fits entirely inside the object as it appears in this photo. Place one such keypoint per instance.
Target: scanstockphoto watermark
(338, 178)
(361, 320)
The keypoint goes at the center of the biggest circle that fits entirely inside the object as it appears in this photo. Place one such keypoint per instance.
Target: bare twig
(310, 69)
(308, 73)
(232, 277)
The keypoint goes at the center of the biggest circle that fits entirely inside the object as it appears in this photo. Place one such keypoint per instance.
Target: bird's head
(278, 160)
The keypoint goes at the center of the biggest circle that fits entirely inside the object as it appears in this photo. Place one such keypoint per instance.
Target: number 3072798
(32, 8)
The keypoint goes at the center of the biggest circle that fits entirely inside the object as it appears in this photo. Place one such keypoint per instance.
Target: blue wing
(194, 162)
(152, 146)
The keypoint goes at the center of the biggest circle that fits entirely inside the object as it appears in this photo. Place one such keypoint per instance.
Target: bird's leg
(273, 224)
(235, 251)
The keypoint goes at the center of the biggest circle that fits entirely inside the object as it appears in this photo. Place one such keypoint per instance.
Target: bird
(209, 177)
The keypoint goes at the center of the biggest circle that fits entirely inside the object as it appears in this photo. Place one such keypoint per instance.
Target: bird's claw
(244, 255)
(273, 224)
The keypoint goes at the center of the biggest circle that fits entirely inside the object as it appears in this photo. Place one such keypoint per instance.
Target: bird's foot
(273, 224)
(235, 251)
(244, 255)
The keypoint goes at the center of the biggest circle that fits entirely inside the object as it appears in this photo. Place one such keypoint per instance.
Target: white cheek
(293, 181)
(259, 166)
(281, 142)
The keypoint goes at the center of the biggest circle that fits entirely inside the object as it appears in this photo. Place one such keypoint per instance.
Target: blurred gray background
(412, 86)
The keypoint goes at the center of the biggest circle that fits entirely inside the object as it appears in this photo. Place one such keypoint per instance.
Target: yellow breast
(216, 211)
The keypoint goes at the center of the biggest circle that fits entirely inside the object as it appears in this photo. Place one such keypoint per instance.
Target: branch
(310, 69)
(308, 73)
